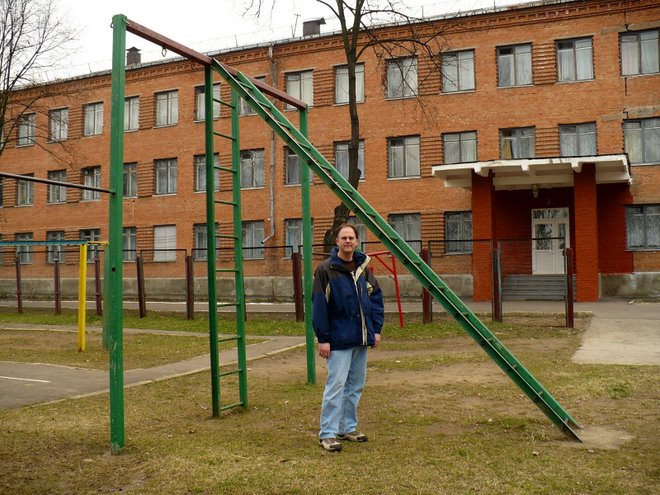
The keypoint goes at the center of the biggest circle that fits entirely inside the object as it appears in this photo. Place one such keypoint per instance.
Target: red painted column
(483, 227)
(586, 234)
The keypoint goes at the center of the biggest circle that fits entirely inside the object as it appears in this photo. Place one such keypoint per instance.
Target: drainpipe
(272, 157)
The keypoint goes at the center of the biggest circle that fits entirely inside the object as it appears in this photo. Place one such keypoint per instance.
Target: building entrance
(550, 235)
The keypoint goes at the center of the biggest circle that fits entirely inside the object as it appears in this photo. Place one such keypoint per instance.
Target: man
(348, 316)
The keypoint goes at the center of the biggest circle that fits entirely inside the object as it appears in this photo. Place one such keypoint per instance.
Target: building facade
(537, 127)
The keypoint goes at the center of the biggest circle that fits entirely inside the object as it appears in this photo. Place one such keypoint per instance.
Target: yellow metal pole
(82, 297)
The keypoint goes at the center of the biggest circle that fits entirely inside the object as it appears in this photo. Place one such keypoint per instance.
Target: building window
(292, 170)
(57, 194)
(253, 234)
(409, 227)
(200, 172)
(25, 192)
(244, 108)
(643, 227)
(55, 252)
(91, 178)
(200, 242)
(92, 249)
(130, 180)
(166, 172)
(362, 230)
(402, 77)
(252, 169)
(575, 60)
(514, 65)
(132, 113)
(403, 154)
(640, 53)
(200, 109)
(129, 243)
(642, 140)
(458, 71)
(167, 108)
(165, 243)
(24, 253)
(300, 85)
(458, 232)
(293, 235)
(460, 147)
(341, 159)
(93, 119)
(27, 127)
(517, 143)
(59, 124)
(577, 140)
(341, 83)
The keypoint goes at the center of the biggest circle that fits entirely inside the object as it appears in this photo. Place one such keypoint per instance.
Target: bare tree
(364, 26)
(33, 39)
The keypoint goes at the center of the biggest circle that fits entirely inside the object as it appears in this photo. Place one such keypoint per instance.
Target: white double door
(550, 235)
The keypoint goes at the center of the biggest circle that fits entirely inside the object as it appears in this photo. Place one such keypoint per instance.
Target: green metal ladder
(213, 238)
(297, 142)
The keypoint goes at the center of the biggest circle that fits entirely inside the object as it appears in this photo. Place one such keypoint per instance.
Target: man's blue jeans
(347, 373)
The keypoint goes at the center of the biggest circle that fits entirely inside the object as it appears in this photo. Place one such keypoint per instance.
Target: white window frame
(200, 172)
(244, 108)
(293, 236)
(253, 235)
(200, 105)
(129, 244)
(458, 71)
(641, 140)
(24, 253)
(458, 232)
(25, 191)
(643, 227)
(640, 53)
(93, 125)
(461, 144)
(514, 65)
(518, 138)
(580, 138)
(53, 251)
(130, 180)
(27, 129)
(252, 169)
(341, 158)
(131, 113)
(58, 120)
(300, 85)
(402, 78)
(165, 175)
(407, 150)
(91, 178)
(167, 108)
(409, 227)
(56, 194)
(569, 55)
(341, 84)
(164, 243)
(91, 235)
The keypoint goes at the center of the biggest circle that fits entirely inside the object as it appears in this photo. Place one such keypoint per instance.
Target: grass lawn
(441, 417)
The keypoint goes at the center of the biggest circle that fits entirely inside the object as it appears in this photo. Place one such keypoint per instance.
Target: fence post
(58, 292)
(140, 286)
(190, 296)
(19, 295)
(497, 288)
(427, 307)
(97, 283)
(296, 262)
(568, 270)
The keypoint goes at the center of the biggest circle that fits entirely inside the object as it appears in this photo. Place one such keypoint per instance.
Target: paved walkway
(621, 332)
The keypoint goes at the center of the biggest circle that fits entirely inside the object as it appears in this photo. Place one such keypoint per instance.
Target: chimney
(313, 27)
(133, 56)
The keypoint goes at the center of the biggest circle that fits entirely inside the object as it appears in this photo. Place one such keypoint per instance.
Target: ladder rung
(227, 339)
(225, 236)
(223, 102)
(224, 202)
(225, 305)
(226, 136)
(230, 372)
(227, 169)
(230, 406)
(226, 270)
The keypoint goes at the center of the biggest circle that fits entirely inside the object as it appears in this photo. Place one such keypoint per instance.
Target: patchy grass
(444, 420)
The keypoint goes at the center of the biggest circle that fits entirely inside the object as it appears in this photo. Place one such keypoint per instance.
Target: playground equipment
(252, 92)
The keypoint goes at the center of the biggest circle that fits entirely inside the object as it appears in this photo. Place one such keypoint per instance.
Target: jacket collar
(360, 258)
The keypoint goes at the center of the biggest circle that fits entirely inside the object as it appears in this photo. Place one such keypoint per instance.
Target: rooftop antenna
(293, 31)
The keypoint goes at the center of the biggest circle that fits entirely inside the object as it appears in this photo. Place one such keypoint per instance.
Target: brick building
(541, 131)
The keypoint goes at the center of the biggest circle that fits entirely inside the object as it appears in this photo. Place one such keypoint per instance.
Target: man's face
(346, 242)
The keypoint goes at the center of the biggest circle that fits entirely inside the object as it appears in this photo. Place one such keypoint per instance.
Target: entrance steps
(534, 287)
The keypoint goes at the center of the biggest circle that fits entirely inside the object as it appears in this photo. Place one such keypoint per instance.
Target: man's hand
(324, 350)
(377, 341)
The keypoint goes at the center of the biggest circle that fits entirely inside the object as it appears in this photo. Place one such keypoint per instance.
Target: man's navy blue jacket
(347, 306)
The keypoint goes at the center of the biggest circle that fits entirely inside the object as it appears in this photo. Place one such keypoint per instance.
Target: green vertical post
(113, 259)
(238, 249)
(211, 242)
(308, 281)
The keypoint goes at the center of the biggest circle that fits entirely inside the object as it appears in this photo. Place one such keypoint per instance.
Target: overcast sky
(206, 25)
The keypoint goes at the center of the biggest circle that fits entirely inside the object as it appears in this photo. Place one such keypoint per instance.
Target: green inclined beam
(403, 252)
(114, 321)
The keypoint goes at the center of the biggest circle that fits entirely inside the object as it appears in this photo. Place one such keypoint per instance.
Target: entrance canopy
(530, 173)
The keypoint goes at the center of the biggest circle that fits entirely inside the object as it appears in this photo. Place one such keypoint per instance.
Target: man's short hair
(350, 226)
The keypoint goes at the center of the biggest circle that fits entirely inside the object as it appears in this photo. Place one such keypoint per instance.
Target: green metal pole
(308, 281)
(211, 242)
(114, 294)
(238, 249)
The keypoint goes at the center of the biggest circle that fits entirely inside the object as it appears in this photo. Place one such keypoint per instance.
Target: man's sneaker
(330, 444)
(354, 436)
